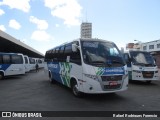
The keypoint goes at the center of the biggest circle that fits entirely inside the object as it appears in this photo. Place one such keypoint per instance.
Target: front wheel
(75, 90)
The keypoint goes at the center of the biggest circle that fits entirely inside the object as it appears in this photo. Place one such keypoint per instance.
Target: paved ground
(33, 92)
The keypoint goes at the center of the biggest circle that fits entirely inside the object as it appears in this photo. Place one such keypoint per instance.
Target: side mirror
(74, 47)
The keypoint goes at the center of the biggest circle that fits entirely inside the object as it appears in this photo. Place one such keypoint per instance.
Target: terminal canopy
(12, 45)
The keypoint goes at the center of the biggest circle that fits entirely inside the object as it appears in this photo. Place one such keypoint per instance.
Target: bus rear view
(11, 64)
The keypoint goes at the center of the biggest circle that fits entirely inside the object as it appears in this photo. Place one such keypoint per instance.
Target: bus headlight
(156, 71)
(91, 76)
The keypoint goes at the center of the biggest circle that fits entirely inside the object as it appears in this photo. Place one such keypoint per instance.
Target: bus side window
(67, 51)
(61, 57)
(16, 59)
(55, 55)
(6, 59)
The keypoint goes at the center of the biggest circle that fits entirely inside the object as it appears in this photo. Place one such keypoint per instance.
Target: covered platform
(12, 45)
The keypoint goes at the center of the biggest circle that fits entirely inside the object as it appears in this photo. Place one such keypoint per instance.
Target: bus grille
(111, 78)
(148, 74)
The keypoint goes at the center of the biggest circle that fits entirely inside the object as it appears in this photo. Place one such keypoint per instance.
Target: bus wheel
(51, 79)
(148, 81)
(1, 76)
(75, 90)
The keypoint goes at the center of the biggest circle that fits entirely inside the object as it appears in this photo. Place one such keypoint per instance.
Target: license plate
(113, 83)
(148, 75)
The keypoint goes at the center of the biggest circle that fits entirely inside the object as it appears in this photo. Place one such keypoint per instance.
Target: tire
(75, 91)
(1, 76)
(148, 81)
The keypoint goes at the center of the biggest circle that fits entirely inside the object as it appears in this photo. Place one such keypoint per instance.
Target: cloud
(2, 27)
(57, 25)
(41, 24)
(17, 4)
(68, 10)
(40, 35)
(14, 24)
(1, 12)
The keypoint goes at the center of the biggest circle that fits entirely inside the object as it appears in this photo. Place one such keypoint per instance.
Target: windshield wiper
(142, 64)
(102, 62)
(116, 61)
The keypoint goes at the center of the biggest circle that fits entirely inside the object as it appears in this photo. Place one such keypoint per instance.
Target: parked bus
(32, 63)
(141, 65)
(11, 64)
(27, 63)
(40, 62)
(88, 66)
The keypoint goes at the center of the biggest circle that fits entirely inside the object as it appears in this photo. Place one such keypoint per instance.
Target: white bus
(32, 63)
(27, 63)
(40, 62)
(141, 66)
(11, 64)
(88, 66)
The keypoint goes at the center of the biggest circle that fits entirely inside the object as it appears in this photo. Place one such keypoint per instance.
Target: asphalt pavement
(33, 92)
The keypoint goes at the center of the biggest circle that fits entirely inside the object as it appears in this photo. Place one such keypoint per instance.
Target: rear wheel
(74, 87)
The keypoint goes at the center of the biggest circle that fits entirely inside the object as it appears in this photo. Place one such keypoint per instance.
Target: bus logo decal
(65, 69)
(108, 71)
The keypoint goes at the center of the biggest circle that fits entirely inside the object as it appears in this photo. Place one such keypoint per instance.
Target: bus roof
(81, 39)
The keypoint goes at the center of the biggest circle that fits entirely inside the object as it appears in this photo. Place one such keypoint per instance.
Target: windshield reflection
(142, 58)
(104, 54)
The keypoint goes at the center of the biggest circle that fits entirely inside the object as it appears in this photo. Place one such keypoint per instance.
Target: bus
(88, 66)
(11, 64)
(141, 66)
(27, 63)
(32, 63)
(40, 62)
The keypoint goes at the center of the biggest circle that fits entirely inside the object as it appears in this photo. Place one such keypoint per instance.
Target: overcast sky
(44, 24)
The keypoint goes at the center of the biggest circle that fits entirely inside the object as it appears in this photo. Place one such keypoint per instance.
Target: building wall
(151, 46)
(129, 45)
(86, 30)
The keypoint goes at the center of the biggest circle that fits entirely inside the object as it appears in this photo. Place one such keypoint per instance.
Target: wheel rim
(75, 89)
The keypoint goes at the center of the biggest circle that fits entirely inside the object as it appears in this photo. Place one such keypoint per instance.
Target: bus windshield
(142, 58)
(101, 54)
